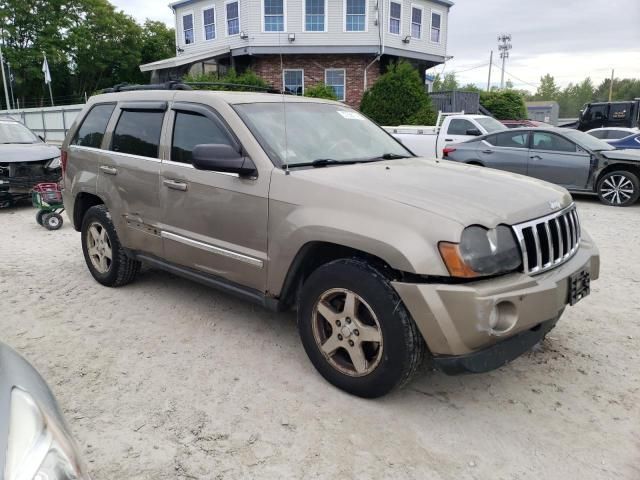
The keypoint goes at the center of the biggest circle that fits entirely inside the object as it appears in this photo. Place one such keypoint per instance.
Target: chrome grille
(549, 241)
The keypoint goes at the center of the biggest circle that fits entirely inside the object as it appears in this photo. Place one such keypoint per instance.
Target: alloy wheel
(617, 189)
(99, 247)
(347, 332)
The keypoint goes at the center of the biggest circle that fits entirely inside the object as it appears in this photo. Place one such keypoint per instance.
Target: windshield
(587, 141)
(11, 132)
(317, 131)
(491, 124)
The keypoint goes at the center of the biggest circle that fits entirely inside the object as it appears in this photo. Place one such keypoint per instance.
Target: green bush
(399, 98)
(320, 91)
(504, 105)
(248, 78)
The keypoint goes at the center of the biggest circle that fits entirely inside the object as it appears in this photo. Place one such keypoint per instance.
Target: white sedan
(612, 133)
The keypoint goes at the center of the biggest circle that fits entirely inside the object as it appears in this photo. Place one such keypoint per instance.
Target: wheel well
(84, 201)
(315, 254)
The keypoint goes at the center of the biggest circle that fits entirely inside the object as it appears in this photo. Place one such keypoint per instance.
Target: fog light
(503, 318)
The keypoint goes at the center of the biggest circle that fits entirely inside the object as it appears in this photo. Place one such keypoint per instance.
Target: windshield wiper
(392, 156)
(323, 162)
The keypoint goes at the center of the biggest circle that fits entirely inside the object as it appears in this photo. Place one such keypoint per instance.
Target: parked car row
(575, 160)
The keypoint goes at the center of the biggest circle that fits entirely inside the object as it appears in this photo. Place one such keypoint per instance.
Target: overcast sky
(570, 39)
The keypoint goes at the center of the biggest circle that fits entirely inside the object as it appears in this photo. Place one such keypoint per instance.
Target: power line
(517, 78)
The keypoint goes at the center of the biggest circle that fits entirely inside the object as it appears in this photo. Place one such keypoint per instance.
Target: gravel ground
(168, 379)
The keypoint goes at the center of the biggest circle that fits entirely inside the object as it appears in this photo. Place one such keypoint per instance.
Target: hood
(467, 194)
(32, 152)
(624, 154)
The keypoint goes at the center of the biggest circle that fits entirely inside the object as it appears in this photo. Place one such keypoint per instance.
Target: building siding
(251, 23)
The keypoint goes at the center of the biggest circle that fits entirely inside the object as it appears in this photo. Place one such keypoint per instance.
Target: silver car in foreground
(575, 160)
(35, 443)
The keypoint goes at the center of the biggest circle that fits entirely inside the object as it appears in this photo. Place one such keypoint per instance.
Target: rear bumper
(462, 319)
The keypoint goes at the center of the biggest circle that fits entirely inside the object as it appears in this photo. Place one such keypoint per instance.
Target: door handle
(108, 170)
(536, 157)
(487, 151)
(448, 139)
(173, 185)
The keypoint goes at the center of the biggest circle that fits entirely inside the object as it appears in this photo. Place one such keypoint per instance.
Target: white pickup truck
(429, 141)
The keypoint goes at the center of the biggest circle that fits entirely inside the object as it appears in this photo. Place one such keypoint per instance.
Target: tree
(448, 83)
(398, 97)
(508, 84)
(504, 104)
(548, 90)
(158, 42)
(321, 91)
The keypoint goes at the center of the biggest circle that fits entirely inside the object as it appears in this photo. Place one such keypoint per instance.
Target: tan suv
(300, 203)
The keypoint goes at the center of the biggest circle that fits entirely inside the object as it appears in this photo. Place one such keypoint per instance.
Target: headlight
(38, 447)
(55, 163)
(482, 252)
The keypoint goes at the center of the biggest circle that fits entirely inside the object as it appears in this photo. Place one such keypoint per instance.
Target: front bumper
(460, 319)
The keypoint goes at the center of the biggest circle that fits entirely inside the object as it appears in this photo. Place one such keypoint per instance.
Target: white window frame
(292, 70)
(418, 7)
(304, 18)
(284, 18)
(437, 12)
(193, 27)
(215, 23)
(399, 20)
(344, 84)
(226, 19)
(344, 18)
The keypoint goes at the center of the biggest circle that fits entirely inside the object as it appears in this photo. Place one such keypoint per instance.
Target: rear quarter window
(91, 131)
(138, 133)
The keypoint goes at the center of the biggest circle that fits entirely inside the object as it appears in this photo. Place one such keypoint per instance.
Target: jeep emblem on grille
(554, 205)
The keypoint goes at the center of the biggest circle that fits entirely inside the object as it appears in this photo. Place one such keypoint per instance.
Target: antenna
(284, 110)
(504, 45)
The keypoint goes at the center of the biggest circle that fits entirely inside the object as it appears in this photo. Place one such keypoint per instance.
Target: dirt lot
(168, 379)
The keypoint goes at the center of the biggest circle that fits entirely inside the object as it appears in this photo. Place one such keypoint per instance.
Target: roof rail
(125, 87)
(237, 86)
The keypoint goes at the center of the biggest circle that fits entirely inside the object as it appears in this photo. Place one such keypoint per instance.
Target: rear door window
(599, 134)
(91, 132)
(551, 142)
(191, 129)
(512, 140)
(459, 126)
(617, 134)
(138, 133)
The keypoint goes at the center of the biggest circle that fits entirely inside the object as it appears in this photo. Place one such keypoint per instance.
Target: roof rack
(175, 85)
(125, 87)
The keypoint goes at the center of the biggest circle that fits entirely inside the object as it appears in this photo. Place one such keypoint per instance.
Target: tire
(39, 215)
(52, 221)
(379, 313)
(116, 271)
(619, 188)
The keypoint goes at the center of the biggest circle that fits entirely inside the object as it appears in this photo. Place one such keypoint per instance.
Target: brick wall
(268, 67)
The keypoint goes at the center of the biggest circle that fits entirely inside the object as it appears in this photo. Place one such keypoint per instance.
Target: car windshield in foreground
(587, 141)
(11, 132)
(491, 124)
(318, 134)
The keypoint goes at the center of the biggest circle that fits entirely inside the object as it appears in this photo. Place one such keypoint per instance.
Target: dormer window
(187, 29)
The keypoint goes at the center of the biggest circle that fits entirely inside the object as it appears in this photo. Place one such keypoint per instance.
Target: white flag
(45, 70)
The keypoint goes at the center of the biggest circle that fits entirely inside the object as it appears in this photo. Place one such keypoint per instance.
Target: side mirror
(474, 132)
(218, 157)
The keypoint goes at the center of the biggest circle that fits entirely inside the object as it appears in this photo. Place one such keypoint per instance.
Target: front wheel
(356, 331)
(619, 189)
(52, 221)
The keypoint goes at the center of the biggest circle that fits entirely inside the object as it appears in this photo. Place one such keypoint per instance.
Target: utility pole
(504, 45)
(11, 82)
(611, 85)
(490, 65)
(4, 76)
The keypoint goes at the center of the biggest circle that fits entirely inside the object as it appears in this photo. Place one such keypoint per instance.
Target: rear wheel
(105, 257)
(356, 331)
(619, 188)
(39, 215)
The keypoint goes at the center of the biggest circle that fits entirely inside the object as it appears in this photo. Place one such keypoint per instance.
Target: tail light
(447, 150)
(63, 161)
